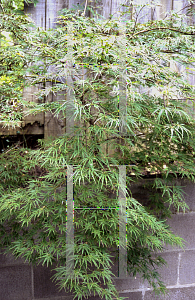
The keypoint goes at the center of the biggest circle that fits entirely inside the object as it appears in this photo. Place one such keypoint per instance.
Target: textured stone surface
(184, 226)
(169, 272)
(187, 267)
(189, 192)
(187, 293)
(132, 296)
(15, 283)
(127, 296)
(43, 285)
(139, 192)
(128, 284)
(8, 259)
(56, 298)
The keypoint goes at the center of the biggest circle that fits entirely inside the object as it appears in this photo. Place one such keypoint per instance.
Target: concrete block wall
(179, 274)
(20, 281)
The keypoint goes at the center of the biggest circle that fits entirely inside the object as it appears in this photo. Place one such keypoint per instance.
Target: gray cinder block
(9, 259)
(132, 296)
(44, 287)
(56, 298)
(187, 293)
(189, 192)
(130, 283)
(127, 296)
(184, 226)
(169, 272)
(187, 267)
(15, 283)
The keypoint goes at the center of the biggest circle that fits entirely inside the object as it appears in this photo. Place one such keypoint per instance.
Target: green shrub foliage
(151, 63)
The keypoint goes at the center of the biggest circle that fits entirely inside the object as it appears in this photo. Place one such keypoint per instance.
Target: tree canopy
(95, 60)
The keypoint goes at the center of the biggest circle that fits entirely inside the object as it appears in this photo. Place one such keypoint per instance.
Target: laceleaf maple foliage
(103, 58)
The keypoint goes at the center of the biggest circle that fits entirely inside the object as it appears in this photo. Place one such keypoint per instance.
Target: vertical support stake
(122, 223)
(70, 224)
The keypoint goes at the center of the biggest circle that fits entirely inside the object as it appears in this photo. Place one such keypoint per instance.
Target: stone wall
(179, 274)
(21, 281)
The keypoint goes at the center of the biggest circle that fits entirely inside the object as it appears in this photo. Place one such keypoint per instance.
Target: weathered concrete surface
(132, 296)
(169, 272)
(186, 293)
(187, 268)
(183, 225)
(56, 298)
(129, 284)
(15, 283)
(43, 285)
(189, 192)
(10, 260)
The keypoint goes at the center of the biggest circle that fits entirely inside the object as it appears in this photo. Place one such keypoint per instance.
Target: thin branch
(162, 28)
(137, 16)
(123, 137)
(189, 5)
(2, 8)
(85, 7)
